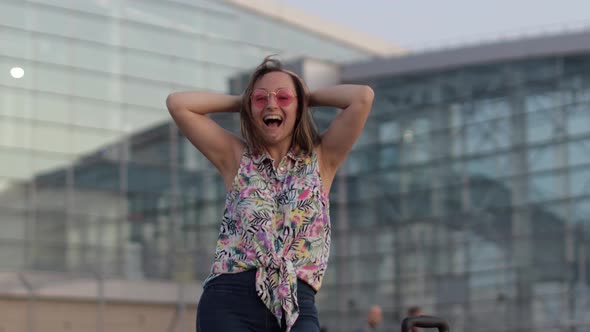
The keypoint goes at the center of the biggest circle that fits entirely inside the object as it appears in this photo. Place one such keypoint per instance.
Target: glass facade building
(97, 73)
(467, 194)
(95, 180)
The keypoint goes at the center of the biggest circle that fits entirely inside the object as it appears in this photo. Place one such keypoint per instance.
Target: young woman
(274, 240)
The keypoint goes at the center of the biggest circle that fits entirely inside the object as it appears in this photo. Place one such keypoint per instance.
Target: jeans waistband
(246, 281)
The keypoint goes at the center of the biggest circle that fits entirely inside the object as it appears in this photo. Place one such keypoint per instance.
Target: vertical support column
(30, 302)
(561, 163)
(101, 302)
(119, 36)
(463, 243)
(521, 231)
(177, 259)
(342, 226)
(173, 201)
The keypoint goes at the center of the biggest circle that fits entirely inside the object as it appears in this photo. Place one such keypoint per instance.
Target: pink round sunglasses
(261, 97)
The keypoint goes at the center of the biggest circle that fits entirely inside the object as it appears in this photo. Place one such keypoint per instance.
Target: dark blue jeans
(229, 304)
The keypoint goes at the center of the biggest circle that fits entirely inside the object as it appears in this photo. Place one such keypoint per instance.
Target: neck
(277, 152)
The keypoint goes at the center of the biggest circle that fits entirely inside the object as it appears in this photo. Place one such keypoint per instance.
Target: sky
(422, 24)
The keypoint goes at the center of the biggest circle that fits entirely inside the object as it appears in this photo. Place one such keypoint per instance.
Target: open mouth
(273, 120)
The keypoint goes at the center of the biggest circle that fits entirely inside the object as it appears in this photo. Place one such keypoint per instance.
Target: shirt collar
(261, 157)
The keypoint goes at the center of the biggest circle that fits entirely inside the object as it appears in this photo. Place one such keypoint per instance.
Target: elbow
(366, 95)
(172, 102)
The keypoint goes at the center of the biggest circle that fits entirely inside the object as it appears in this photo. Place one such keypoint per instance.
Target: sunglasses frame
(269, 95)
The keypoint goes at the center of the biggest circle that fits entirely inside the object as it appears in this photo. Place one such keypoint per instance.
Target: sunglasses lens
(260, 98)
(284, 98)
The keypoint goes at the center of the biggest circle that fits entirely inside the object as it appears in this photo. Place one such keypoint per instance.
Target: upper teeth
(272, 117)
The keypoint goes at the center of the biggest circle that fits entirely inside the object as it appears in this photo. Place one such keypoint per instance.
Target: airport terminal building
(470, 192)
(92, 167)
(467, 194)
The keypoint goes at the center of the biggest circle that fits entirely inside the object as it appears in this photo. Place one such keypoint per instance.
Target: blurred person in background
(413, 312)
(274, 239)
(374, 318)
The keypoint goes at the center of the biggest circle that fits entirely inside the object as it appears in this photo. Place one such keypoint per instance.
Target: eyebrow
(283, 87)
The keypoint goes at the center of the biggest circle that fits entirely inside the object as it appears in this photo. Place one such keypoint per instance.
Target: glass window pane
(146, 94)
(223, 52)
(54, 20)
(546, 187)
(542, 158)
(17, 104)
(15, 43)
(541, 101)
(95, 57)
(14, 14)
(46, 163)
(187, 73)
(388, 156)
(15, 133)
(150, 66)
(138, 118)
(86, 140)
(16, 164)
(540, 126)
(581, 212)
(51, 49)
(159, 40)
(51, 137)
(97, 7)
(578, 119)
(95, 86)
(52, 108)
(488, 109)
(89, 113)
(216, 78)
(54, 79)
(388, 131)
(579, 153)
(492, 167)
(580, 182)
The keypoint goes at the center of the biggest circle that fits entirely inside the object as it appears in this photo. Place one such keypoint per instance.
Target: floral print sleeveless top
(277, 222)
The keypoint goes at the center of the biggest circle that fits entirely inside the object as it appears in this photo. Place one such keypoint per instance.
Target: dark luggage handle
(425, 321)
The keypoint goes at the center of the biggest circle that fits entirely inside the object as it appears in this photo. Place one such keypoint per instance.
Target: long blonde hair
(305, 133)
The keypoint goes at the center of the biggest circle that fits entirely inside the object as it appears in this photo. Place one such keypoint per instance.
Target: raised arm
(189, 110)
(356, 102)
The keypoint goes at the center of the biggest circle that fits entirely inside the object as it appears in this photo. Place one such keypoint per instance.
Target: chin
(276, 139)
(272, 141)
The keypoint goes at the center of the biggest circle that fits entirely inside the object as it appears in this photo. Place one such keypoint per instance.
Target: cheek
(293, 110)
(255, 111)
(293, 115)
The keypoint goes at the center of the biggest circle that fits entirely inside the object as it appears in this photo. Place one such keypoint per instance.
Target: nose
(272, 101)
